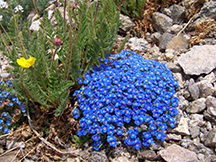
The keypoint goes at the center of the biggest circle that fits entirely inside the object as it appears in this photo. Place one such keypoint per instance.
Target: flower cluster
(128, 97)
(8, 104)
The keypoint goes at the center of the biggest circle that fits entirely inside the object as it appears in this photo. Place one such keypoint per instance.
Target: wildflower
(26, 63)
(18, 8)
(57, 42)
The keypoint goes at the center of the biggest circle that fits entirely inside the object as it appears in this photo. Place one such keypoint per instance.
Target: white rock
(35, 26)
(199, 60)
(182, 127)
(138, 44)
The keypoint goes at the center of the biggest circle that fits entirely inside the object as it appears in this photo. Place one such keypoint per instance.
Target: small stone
(197, 106)
(194, 130)
(177, 13)
(175, 29)
(155, 37)
(161, 22)
(169, 54)
(199, 60)
(120, 159)
(182, 127)
(35, 26)
(211, 138)
(178, 77)
(201, 157)
(175, 153)
(148, 154)
(4, 75)
(138, 44)
(165, 39)
(196, 120)
(206, 88)
(126, 23)
(174, 137)
(183, 103)
(194, 91)
(174, 67)
(98, 157)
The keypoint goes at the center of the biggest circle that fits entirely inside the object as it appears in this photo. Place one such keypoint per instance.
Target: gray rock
(166, 11)
(211, 138)
(206, 88)
(199, 60)
(178, 43)
(183, 103)
(35, 26)
(155, 37)
(175, 29)
(182, 128)
(197, 106)
(148, 155)
(174, 137)
(196, 120)
(4, 75)
(177, 13)
(174, 67)
(211, 105)
(194, 91)
(98, 157)
(195, 131)
(208, 9)
(175, 153)
(161, 22)
(165, 39)
(169, 54)
(126, 23)
(178, 77)
(138, 44)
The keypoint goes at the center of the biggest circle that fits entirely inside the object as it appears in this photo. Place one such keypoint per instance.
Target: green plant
(132, 8)
(78, 44)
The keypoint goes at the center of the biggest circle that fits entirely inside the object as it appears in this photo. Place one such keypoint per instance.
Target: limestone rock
(126, 23)
(194, 91)
(206, 88)
(195, 131)
(208, 9)
(182, 127)
(138, 44)
(174, 137)
(197, 106)
(148, 154)
(161, 22)
(165, 39)
(177, 13)
(211, 138)
(35, 26)
(178, 43)
(175, 153)
(199, 60)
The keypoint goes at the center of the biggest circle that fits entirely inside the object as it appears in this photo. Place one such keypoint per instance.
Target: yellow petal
(31, 61)
(22, 62)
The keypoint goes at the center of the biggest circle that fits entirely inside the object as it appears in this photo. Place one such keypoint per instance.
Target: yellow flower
(26, 63)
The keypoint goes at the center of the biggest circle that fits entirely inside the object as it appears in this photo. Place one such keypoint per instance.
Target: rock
(178, 43)
(183, 103)
(199, 60)
(197, 106)
(210, 77)
(182, 127)
(194, 91)
(120, 159)
(126, 23)
(4, 75)
(175, 153)
(97, 157)
(35, 26)
(174, 67)
(196, 120)
(195, 131)
(165, 39)
(155, 38)
(208, 10)
(175, 29)
(138, 44)
(178, 77)
(211, 138)
(206, 88)
(211, 105)
(174, 137)
(148, 154)
(166, 11)
(169, 54)
(161, 22)
(177, 13)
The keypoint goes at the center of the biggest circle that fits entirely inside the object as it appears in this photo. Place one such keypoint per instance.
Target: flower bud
(57, 41)
(73, 6)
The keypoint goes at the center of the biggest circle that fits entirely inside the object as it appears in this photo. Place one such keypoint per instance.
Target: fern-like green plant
(132, 8)
(87, 36)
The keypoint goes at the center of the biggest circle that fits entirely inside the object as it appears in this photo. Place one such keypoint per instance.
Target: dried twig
(184, 27)
(73, 153)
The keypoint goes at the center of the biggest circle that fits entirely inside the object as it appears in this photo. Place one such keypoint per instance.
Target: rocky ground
(187, 45)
